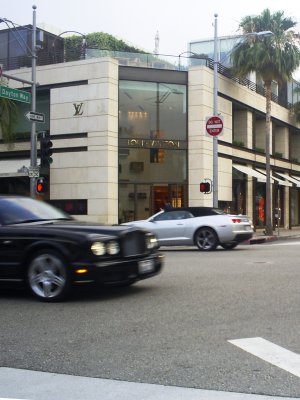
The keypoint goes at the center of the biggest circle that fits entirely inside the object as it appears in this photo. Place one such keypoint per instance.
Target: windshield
(15, 210)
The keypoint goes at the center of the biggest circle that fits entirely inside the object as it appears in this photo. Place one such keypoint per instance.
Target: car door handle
(7, 241)
(179, 223)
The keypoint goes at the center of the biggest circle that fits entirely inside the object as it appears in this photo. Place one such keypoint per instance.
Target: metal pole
(215, 138)
(33, 141)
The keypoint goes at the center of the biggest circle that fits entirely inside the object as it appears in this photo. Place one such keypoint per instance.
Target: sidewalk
(281, 234)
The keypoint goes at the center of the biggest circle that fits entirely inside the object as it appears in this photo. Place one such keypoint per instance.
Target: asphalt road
(173, 329)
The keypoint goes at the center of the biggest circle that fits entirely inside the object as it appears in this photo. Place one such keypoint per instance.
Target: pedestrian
(168, 205)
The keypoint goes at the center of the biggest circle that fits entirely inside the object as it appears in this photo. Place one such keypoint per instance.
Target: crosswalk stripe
(270, 352)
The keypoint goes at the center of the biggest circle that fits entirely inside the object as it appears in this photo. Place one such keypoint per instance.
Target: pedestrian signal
(205, 187)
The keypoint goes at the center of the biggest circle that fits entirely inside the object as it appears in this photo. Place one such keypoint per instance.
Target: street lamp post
(33, 138)
(83, 45)
(215, 112)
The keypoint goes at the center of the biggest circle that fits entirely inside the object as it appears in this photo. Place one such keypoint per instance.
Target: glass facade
(23, 127)
(152, 148)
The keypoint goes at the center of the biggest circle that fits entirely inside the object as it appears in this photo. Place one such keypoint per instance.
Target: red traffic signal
(205, 187)
(41, 186)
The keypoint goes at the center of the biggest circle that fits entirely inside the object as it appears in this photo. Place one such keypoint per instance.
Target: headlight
(98, 248)
(151, 242)
(112, 248)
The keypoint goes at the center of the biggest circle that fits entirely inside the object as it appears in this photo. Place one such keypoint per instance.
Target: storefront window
(295, 202)
(149, 110)
(239, 190)
(135, 165)
(260, 203)
(23, 127)
(152, 148)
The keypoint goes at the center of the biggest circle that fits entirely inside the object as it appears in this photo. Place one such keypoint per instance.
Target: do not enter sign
(214, 126)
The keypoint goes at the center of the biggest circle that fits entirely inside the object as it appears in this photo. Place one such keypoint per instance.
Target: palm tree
(273, 58)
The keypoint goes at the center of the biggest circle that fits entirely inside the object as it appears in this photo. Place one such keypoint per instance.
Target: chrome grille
(134, 243)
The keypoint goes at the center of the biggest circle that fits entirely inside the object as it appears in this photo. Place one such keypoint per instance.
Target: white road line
(287, 244)
(36, 385)
(270, 352)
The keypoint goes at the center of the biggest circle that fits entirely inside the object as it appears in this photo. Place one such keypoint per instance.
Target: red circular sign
(214, 126)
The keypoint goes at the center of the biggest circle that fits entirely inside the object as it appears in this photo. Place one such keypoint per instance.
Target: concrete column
(243, 128)
(282, 141)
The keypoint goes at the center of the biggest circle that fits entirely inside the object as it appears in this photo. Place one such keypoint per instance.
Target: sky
(137, 22)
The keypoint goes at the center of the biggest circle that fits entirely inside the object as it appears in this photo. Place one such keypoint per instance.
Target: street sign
(33, 172)
(35, 116)
(214, 125)
(15, 94)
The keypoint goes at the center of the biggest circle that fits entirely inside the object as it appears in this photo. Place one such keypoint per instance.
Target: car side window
(173, 215)
(183, 215)
(166, 216)
(188, 215)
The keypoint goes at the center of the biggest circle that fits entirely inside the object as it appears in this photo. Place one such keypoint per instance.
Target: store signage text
(78, 108)
(154, 143)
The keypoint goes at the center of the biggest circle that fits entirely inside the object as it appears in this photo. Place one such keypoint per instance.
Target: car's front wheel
(206, 239)
(47, 276)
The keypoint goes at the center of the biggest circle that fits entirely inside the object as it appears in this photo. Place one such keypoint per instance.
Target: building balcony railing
(143, 60)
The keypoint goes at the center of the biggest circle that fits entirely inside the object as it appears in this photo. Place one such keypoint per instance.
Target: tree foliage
(100, 40)
(8, 118)
(273, 58)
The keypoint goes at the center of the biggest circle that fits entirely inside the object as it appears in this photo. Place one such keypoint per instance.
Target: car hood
(77, 226)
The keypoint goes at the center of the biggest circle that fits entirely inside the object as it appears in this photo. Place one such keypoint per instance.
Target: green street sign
(15, 94)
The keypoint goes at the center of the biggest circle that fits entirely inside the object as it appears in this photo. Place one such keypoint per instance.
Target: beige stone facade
(84, 130)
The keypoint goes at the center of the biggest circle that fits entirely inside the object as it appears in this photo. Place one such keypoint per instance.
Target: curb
(258, 240)
(264, 239)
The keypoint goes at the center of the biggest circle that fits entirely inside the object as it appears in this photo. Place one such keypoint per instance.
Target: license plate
(146, 266)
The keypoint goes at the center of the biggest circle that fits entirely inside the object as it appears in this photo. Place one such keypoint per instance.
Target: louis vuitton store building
(128, 139)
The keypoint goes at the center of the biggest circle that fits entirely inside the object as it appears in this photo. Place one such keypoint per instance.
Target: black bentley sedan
(51, 252)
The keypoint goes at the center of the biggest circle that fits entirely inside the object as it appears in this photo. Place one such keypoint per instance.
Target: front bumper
(116, 272)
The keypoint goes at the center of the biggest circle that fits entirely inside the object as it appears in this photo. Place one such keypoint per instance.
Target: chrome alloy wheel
(206, 239)
(47, 276)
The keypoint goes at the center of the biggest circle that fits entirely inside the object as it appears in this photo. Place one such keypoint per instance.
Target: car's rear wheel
(229, 246)
(47, 276)
(206, 239)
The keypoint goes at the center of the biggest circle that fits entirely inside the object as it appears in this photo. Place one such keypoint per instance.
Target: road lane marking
(270, 352)
(52, 386)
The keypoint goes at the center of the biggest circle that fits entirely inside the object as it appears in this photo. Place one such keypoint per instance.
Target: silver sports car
(205, 227)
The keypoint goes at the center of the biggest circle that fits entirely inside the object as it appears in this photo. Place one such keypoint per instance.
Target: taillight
(236, 220)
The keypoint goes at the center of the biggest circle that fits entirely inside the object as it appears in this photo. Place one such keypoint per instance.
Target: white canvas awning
(280, 181)
(289, 178)
(297, 178)
(251, 172)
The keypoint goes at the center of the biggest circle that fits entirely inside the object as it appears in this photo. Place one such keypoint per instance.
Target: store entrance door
(140, 201)
(175, 195)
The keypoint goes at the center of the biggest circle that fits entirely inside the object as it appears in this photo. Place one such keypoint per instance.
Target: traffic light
(46, 151)
(41, 185)
(205, 187)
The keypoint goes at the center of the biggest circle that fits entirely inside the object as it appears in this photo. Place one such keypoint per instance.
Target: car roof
(198, 211)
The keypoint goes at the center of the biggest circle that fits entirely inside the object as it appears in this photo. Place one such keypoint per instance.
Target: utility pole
(215, 113)
(33, 138)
